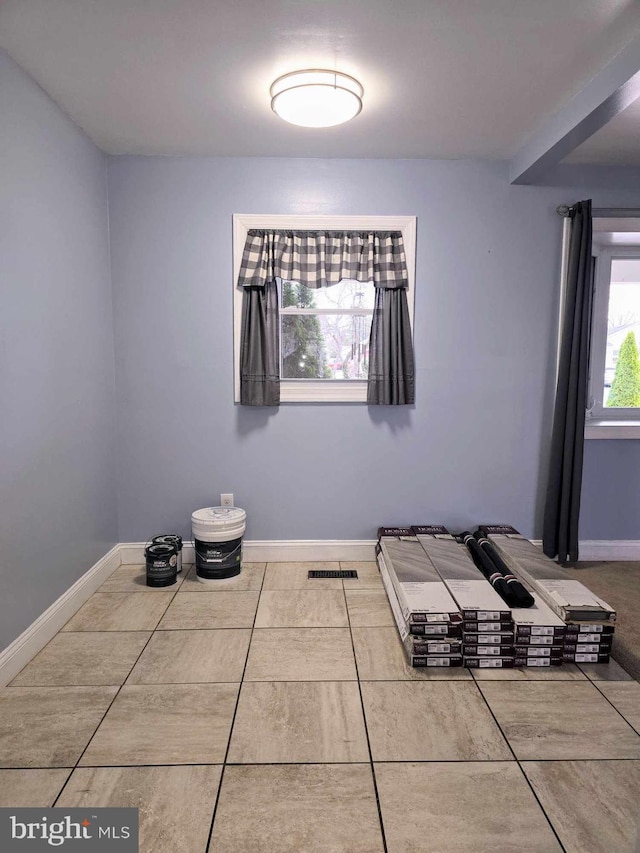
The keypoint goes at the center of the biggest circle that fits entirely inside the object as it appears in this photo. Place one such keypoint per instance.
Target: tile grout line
(139, 683)
(117, 693)
(537, 799)
(366, 728)
(506, 740)
(592, 678)
(141, 568)
(233, 718)
(62, 631)
(64, 784)
(595, 684)
(335, 763)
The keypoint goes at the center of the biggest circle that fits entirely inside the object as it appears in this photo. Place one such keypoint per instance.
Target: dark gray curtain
(562, 509)
(320, 259)
(391, 372)
(260, 347)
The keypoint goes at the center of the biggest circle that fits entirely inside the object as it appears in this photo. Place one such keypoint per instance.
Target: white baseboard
(274, 551)
(335, 550)
(601, 550)
(132, 553)
(613, 549)
(25, 647)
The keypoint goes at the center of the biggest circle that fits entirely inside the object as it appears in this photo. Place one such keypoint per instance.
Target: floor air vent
(343, 573)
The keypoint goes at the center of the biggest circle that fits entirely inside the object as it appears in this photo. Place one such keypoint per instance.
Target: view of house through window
(324, 332)
(622, 358)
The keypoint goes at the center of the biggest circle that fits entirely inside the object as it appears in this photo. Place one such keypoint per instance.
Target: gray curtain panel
(562, 508)
(320, 259)
(391, 371)
(260, 347)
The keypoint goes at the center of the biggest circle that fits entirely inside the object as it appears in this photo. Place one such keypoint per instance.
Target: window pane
(622, 362)
(326, 346)
(345, 294)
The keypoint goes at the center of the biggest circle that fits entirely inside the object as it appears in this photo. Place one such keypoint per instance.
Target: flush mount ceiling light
(316, 98)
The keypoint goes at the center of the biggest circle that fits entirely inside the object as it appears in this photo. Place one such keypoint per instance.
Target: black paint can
(162, 560)
(171, 539)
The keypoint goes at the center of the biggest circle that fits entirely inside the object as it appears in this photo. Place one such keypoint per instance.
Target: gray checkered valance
(322, 258)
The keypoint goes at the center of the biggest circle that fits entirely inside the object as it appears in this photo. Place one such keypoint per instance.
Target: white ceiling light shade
(316, 98)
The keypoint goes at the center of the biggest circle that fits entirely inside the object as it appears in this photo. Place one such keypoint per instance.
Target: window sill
(323, 391)
(611, 429)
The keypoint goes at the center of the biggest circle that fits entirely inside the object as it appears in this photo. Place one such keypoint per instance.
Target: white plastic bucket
(217, 538)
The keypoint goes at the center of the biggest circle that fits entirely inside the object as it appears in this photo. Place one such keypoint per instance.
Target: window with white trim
(324, 333)
(614, 365)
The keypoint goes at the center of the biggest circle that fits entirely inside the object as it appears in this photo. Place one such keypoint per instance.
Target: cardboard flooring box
(487, 651)
(421, 593)
(585, 657)
(401, 623)
(437, 630)
(533, 631)
(568, 598)
(504, 638)
(539, 651)
(481, 627)
(586, 628)
(489, 662)
(528, 640)
(587, 648)
(411, 642)
(538, 624)
(475, 596)
(428, 646)
(436, 660)
(528, 661)
(594, 639)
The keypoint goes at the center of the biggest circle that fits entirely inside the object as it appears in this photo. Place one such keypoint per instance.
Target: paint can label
(220, 553)
(218, 559)
(161, 565)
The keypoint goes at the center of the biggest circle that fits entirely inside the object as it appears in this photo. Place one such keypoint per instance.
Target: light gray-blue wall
(611, 490)
(474, 447)
(57, 430)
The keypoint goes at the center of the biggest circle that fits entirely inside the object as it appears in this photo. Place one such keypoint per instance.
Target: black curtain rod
(564, 210)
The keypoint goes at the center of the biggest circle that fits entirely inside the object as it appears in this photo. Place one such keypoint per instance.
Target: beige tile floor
(274, 714)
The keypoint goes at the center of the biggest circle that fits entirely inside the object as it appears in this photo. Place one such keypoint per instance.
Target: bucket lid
(168, 538)
(220, 517)
(161, 549)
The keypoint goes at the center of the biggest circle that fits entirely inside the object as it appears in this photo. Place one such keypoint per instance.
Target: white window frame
(602, 422)
(316, 390)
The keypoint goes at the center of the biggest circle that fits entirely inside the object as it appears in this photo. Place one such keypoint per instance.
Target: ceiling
(443, 78)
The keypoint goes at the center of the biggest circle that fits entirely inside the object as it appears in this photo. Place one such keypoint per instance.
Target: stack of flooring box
(487, 628)
(427, 617)
(588, 620)
(540, 636)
